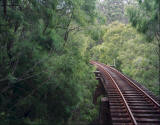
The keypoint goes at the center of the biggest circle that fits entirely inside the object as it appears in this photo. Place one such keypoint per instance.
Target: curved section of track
(129, 104)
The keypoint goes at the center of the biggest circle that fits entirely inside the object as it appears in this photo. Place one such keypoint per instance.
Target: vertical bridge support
(104, 113)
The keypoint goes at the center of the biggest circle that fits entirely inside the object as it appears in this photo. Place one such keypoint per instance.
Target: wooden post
(104, 115)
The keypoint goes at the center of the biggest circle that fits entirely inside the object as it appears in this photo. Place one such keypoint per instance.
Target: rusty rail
(119, 91)
(107, 73)
(137, 87)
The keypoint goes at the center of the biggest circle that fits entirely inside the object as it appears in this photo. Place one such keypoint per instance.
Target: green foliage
(114, 37)
(145, 17)
(138, 60)
(45, 49)
(45, 73)
(133, 55)
(113, 10)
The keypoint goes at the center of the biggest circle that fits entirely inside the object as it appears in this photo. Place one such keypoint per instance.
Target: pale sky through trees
(101, 0)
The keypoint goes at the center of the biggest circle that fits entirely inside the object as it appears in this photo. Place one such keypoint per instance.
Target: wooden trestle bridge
(124, 101)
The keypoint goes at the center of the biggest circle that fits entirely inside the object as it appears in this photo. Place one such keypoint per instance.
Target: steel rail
(106, 73)
(137, 87)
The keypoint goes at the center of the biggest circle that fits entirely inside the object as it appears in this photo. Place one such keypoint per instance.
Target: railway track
(129, 104)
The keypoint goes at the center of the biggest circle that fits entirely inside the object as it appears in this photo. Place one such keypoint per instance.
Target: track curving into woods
(129, 104)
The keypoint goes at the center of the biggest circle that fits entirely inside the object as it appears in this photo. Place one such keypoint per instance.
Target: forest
(46, 47)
